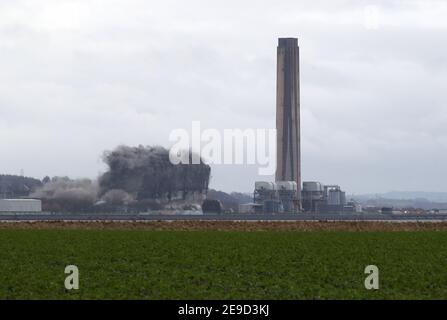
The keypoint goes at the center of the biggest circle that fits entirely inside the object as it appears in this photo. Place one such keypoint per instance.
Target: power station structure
(323, 198)
(286, 195)
(288, 142)
(275, 197)
(282, 197)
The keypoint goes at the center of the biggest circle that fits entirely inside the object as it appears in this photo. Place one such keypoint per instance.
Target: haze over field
(81, 77)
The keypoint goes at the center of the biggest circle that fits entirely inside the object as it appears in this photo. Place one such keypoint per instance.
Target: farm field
(153, 264)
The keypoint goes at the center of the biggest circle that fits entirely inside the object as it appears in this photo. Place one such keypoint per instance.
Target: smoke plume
(65, 194)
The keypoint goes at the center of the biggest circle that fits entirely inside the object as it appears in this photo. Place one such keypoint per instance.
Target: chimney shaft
(288, 113)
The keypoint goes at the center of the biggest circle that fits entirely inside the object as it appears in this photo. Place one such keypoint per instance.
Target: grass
(138, 264)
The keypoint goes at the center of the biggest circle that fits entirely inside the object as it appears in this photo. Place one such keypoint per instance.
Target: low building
(250, 208)
(387, 210)
(20, 206)
(352, 207)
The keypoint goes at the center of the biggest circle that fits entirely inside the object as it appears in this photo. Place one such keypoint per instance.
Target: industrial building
(266, 197)
(312, 196)
(319, 198)
(283, 197)
(275, 197)
(20, 206)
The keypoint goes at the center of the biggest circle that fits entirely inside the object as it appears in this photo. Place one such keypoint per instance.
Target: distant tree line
(12, 186)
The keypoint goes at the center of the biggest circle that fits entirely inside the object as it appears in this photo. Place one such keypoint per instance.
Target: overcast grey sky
(81, 76)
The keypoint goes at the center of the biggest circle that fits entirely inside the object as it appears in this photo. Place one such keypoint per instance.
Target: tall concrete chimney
(288, 113)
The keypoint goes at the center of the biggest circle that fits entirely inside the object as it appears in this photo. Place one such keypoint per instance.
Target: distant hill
(17, 186)
(407, 195)
(404, 199)
(430, 196)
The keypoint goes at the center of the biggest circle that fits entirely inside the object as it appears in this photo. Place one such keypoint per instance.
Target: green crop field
(139, 264)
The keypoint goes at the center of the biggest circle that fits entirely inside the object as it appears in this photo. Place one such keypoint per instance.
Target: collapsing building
(146, 173)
